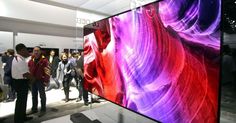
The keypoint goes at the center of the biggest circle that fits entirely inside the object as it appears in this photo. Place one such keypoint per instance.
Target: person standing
(21, 76)
(39, 68)
(64, 66)
(80, 86)
(8, 77)
(73, 64)
(53, 62)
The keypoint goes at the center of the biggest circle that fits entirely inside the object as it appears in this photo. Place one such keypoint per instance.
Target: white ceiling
(108, 7)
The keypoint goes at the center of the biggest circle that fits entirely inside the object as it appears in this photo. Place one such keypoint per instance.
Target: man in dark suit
(53, 62)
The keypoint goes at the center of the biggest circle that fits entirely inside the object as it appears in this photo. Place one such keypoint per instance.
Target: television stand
(81, 118)
(108, 113)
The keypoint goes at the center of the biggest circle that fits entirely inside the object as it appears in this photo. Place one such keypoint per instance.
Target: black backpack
(7, 68)
(72, 67)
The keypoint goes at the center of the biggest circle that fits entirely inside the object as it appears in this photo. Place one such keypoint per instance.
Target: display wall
(161, 60)
(46, 41)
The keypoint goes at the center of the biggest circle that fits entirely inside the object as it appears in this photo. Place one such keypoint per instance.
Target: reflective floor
(228, 104)
(56, 107)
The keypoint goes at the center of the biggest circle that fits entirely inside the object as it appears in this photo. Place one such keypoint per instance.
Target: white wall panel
(6, 41)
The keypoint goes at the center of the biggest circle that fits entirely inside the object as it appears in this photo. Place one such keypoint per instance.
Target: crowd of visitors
(37, 73)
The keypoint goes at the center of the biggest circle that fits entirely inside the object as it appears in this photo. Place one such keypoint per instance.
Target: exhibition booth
(145, 61)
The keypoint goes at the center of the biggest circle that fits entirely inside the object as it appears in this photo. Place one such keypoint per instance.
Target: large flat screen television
(161, 60)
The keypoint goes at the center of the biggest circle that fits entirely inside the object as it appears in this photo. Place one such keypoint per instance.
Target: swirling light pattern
(162, 63)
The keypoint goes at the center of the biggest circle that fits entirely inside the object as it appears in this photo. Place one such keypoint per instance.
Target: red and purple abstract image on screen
(161, 60)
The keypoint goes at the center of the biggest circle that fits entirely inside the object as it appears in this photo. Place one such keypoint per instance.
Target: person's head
(64, 57)
(10, 52)
(22, 50)
(52, 53)
(74, 54)
(37, 52)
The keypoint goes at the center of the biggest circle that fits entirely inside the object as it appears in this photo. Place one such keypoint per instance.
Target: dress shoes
(28, 118)
(32, 112)
(42, 113)
(86, 103)
(78, 99)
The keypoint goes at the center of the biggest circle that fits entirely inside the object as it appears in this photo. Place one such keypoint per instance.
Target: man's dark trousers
(21, 87)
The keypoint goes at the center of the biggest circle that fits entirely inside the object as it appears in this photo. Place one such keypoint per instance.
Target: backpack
(73, 65)
(7, 68)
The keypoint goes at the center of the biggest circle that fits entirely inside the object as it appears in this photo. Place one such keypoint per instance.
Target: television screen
(161, 60)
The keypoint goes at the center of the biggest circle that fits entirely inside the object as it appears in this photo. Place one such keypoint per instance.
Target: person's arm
(68, 68)
(59, 66)
(46, 72)
(80, 72)
(28, 76)
(59, 71)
